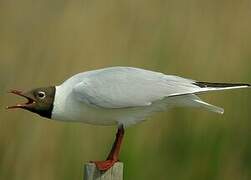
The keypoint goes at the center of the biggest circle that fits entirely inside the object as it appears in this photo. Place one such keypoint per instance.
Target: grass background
(44, 42)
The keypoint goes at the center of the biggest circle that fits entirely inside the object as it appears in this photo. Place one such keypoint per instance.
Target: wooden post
(114, 173)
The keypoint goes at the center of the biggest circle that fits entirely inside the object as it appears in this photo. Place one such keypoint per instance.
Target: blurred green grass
(44, 42)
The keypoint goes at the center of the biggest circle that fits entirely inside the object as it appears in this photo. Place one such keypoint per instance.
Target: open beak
(29, 102)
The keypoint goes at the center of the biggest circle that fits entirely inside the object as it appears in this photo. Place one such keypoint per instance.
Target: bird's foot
(105, 165)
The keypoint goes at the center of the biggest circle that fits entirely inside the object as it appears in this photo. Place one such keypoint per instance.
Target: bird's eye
(41, 94)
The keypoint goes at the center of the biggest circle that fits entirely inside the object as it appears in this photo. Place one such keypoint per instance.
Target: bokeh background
(43, 42)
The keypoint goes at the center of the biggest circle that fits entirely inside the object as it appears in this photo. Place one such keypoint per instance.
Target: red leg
(114, 154)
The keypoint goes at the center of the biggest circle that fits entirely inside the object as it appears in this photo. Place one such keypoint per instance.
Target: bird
(121, 96)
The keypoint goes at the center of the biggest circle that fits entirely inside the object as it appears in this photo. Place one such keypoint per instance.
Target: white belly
(73, 110)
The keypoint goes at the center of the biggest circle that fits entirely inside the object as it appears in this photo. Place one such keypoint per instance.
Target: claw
(104, 165)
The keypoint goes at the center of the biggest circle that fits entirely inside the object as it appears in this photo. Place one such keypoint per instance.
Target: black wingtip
(219, 85)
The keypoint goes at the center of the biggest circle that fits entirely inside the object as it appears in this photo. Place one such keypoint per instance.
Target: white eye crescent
(41, 94)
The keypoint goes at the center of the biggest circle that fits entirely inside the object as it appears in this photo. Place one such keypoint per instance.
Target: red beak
(21, 105)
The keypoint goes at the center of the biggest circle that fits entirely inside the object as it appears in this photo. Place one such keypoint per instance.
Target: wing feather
(123, 87)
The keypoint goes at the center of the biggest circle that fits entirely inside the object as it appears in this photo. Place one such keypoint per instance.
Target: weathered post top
(114, 173)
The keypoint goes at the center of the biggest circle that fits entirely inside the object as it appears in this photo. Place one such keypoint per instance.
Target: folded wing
(121, 87)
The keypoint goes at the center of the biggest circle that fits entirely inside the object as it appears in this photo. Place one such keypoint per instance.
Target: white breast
(68, 108)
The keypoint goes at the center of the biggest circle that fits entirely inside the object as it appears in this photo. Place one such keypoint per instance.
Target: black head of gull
(39, 100)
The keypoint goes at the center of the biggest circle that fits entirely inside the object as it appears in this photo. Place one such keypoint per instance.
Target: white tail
(194, 101)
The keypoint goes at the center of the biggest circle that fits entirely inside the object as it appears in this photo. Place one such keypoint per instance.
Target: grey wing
(123, 87)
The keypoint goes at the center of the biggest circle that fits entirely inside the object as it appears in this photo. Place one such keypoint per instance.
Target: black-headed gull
(117, 95)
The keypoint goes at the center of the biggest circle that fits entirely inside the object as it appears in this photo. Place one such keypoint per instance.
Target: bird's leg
(114, 153)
